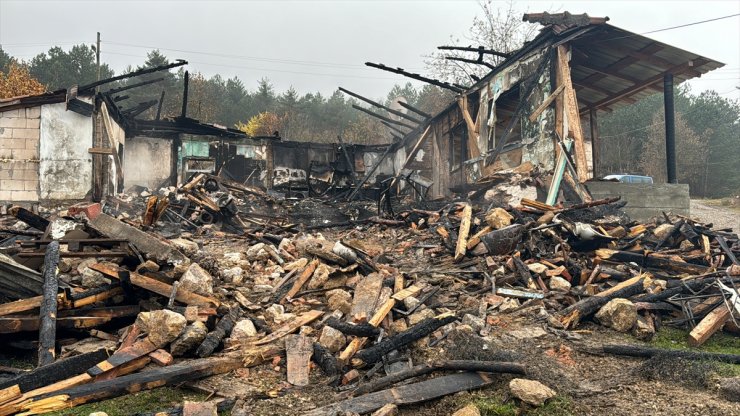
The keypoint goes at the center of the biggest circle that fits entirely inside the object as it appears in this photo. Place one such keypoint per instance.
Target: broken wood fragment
(298, 349)
(325, 360)
(709, 325)
(222, 330)
(290, 327)
(462, 235)
(302, 278)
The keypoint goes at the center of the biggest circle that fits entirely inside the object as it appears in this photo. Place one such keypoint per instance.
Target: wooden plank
(366, 296)
(161, 357)
(709, 325)
(100, 151)
(462, 235)
(122, 356)
(302, 279)
(574, 119)
(298, 349)
(546, 103)
(406, 395)
(160, 288)
(290, 327)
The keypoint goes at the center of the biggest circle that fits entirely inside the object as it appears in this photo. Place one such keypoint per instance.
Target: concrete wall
(645, 201)
(19, 155)
(66, 165)
(147, 161)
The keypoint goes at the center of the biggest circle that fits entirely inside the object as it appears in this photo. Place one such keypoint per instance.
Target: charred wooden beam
(382, 117)
(394, 128)
(376, 352)
(132, 86)
(48, 311)
(58, 370)
(376, 104)
(325, 360)
(159, 107)
(470, 61)
(359, 330)
(453, 365)
(570, 316)
(165, 67)
(417, 77)
(480, 49)
(86, 393)
(139, 108)
(414, 109)
(222, 330)
(647, 352)
(34, 220)
(650, 261)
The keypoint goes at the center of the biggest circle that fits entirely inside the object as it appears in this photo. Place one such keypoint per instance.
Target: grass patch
(677, 339)
(146, 401)
(492, 406)
(557, 406)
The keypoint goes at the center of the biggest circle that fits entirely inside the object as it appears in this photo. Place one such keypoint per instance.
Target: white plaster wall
(65, 169)
(147, 161)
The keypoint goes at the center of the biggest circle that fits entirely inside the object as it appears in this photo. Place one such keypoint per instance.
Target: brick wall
(19, 154)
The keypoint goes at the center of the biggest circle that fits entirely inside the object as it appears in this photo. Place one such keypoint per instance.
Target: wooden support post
(595, 143)
(462, 239)
(709, 325)
(574, 119)
(48, 312)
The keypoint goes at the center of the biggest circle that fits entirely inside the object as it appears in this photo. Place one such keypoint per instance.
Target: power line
(691, 24)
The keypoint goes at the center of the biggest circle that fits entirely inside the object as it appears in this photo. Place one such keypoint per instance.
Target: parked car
(629, 178)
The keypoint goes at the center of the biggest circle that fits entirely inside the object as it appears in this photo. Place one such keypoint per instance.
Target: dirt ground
(719, 213)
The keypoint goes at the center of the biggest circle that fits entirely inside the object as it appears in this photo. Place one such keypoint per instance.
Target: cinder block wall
(19, 155)
(645, 201)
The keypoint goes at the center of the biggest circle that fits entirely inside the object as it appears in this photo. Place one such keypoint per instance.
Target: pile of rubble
(201, 283)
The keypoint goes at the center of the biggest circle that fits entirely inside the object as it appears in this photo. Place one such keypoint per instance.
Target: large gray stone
(162, 326)
(197, 279)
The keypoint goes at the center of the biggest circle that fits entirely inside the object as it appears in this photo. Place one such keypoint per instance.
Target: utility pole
(97, 59)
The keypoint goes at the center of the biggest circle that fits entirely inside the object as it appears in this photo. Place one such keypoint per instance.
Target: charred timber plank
(160, 288)
(298, 350)
(58, 370)
(359, 330)
(709, 325)
(647, 352)
(651, 261)
(222, 330)
(290, 327)
(453, 365)
(375, 353)
(406, 395)
(22, 305)
(48, 309)
(36, 221)
(325, 360)
(123, 356)
(131, 383)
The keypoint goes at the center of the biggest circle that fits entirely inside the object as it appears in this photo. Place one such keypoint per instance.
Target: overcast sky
(319, 45)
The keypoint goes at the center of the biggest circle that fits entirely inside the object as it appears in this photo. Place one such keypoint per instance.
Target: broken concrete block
(618, 314)
(199, 409)
(190, 338)
(298, 264)
(339, 300)
(475, 322)
(92, 279)
(320, 276)
(332, 339)
(498, 218)
(244, 329)
(558, 283)
(531, 391)
(469, 410)
(234, 275)
(162, 326)
(419, 316)
(149, 246)
(186, 246)
(196, 279)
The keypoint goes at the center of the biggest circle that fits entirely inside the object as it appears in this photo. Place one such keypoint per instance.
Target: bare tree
(499, 27)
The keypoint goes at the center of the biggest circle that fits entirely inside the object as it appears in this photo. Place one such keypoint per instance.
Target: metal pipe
(670, 128)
